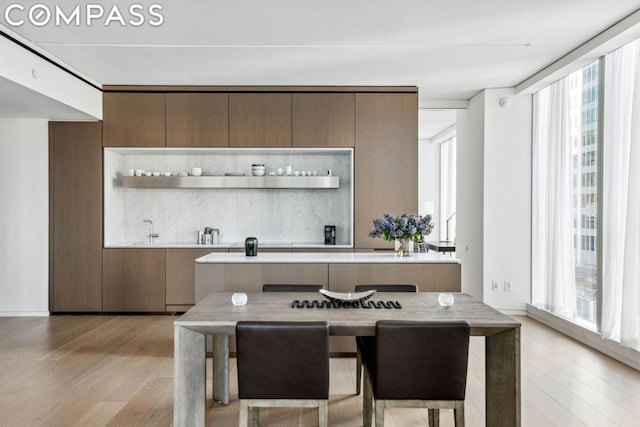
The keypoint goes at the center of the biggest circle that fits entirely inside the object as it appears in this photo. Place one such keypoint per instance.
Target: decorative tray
(347, 297)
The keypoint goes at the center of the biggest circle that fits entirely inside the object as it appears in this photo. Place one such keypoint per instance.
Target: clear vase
(403, 247)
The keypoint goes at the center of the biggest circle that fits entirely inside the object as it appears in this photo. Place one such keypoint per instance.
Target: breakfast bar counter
(336, 271)
(376, 257)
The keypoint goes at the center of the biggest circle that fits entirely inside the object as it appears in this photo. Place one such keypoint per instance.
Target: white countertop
(224, 245)
(378, 257)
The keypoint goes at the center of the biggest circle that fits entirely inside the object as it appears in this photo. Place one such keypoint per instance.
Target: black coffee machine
(251, 246)
(329, 234)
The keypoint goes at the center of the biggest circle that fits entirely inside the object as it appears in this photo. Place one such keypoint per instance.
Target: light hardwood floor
(118, 371)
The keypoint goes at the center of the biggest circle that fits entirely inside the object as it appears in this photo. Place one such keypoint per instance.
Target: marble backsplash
(271, 215)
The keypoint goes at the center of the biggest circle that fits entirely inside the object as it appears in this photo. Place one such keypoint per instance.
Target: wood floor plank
(118, 370)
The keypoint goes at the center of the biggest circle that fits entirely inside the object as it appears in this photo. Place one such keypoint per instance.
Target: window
(586, 215)
(565, 267)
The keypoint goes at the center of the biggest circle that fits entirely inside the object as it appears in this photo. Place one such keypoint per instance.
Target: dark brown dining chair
(282, 364)
(429, 372)
(378, 288)
(291, 288)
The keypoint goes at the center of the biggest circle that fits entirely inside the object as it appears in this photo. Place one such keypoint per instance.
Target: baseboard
(592, 339)
(24, 313)
(512, 312)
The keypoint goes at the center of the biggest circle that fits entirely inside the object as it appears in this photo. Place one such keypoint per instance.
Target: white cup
(297, 173)
(279, 171)
(239, 298)
(147, 173)
(139, 172)
(196, 171)
(132, 172)
(289, 170)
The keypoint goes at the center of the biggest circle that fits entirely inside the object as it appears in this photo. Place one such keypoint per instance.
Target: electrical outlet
(507, 286)
(495, 286)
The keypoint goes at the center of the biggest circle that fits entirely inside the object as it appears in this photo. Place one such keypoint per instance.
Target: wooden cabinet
(386, 161)
(75, 191)
(260, 120)
(250, 277)
(133, 280)
(133, 119)
(430, 277)
(180, 275)
(197, 120)
(323, 119)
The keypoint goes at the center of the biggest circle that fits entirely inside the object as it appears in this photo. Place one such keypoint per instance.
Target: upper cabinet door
(133, 119)
(386, 161)
(260, 120)
(197, 120)
(323, 119)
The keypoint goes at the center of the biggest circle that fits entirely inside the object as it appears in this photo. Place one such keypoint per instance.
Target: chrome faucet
(152, 235)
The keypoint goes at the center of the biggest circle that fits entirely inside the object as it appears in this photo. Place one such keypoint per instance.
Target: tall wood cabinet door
(197, 120)
(323, 119)
(133, 280)
(134, 119)
(260, 120)
(386, 161)
(181, 276)
(75, 159)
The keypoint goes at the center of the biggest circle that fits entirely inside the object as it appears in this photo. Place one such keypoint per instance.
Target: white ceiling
(450, 49)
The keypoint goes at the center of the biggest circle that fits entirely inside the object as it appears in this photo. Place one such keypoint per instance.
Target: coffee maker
(329, 234)
(251, 246)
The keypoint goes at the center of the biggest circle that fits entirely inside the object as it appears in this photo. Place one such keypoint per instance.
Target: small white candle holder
(445, 300)
(239, 299)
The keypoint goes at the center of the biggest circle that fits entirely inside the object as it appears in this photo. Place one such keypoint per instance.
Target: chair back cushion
(291, 288)
(420, 360)
(283, 360)
(388, 288)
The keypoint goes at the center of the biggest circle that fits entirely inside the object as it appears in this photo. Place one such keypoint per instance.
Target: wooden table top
(216, 314)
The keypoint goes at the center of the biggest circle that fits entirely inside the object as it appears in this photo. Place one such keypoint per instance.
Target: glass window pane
(586, 255)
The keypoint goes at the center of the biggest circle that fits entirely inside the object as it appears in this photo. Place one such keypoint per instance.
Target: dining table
(216, 315)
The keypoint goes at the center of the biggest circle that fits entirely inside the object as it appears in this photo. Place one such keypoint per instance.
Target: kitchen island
(336, 271)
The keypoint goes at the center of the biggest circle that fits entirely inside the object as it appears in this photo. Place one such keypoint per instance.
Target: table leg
(189, 392)
(502, 388)
(221, 368)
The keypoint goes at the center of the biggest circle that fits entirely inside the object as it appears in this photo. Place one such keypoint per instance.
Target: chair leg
(380, 412)
(434, 417)
(367, 398)
(458, 413)
(243, 419)
(323, 413)
(358, 371)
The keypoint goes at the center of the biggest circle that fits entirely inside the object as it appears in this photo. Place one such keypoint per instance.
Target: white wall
(469, 194)
(24, 217)
(507, 199)
(429, 183)
(494, 198)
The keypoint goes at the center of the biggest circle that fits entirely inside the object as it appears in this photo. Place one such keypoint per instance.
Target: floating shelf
(319, 182)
